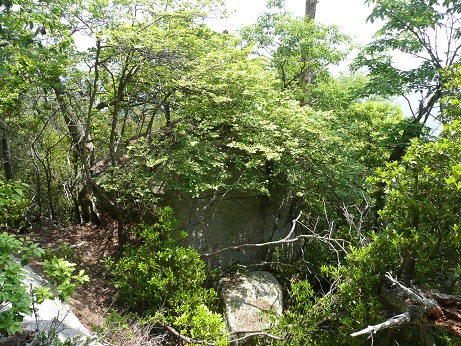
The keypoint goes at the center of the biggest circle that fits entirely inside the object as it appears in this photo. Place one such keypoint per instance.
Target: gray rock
(251, 302)
(56, 317)
(221, 220)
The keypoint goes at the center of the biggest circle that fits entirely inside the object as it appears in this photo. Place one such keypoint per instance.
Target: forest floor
(88, 245)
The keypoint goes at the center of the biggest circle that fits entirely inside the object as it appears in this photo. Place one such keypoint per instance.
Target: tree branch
(338, 243)
(185, 338)
(426, 309)
(250, 334)
(393, 322)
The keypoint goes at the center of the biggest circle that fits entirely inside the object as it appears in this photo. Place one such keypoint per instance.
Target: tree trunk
(306, 77)
(6, 152)
(311, 8)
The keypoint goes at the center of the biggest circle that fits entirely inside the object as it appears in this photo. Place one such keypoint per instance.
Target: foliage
(422, 195)
(14, 295)
(12, 203)
(451, 101)
(419, 242)
(60, 272)
(413, 29)
(50, 337)
(16, 298)
(116, 326)
(166, 281)
(296, 47)
(298, 323)
(63, 251)
(158, 101)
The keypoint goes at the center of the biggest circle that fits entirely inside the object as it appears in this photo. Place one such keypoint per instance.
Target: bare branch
(423, 308)
(289, 239)
(250, 334)
(277, 242)
(393, 322)
(184, 337)
(427, 303)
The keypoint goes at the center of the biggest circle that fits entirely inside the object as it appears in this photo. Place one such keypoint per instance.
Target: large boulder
(251, 301)
(221, 220)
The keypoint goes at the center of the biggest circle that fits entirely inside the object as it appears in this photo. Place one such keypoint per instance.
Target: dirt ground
(90, 245)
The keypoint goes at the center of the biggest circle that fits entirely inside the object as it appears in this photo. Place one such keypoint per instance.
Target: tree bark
(311, 8)
(306, 77)
(6, 152)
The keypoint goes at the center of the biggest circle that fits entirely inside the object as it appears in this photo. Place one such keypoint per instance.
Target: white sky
(350, 15)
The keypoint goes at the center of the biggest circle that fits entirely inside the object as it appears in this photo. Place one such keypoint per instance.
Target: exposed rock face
(222, 220)
(248, 298)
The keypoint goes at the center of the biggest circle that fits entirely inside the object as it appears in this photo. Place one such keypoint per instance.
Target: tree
(427, 32)
(299, 49)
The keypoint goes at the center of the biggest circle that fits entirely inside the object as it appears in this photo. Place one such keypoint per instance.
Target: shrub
(165, 281)
(12, 203)
(17, 299)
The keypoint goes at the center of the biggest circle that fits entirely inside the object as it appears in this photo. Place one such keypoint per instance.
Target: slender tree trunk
(6, 152)
(311, 8)
(49, 179)
(307, 76)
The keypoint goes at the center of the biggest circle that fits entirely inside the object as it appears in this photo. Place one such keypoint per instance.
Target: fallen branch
(417, 297)
(393, 322)
(429, 308)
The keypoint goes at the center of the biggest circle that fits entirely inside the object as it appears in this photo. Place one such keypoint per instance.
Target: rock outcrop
(218, 221)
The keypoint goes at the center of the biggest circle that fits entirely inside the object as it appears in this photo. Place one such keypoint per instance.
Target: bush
(12, 203)
(160, 279)
(17, 299)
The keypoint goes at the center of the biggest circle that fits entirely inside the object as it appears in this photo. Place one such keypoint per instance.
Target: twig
(249, 334)
(184, 337)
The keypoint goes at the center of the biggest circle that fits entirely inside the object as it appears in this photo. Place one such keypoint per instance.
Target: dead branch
(417, 297)
(340, 243)
(390, 323)
(250, 334)
(424, 308)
